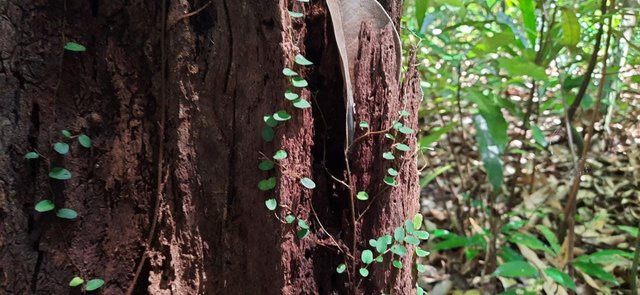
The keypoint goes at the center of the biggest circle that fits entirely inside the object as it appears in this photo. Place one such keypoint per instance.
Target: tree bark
(223, 74)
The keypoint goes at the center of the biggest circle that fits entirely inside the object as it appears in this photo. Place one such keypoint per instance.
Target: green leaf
(397, 264)
(570, 28)
(632, 230)
(366, 256)
(435, 135)
(60, 173)
(76, 281)
(84, 141)
(281, 116)
(94, 284)
(341, 268)
(419, 290)
(73, 46)
(364, 125)
(362, 196)
(61, 148)
(422, 253)
(421, 234)
(518, 67)
(381, 244)
(31, 155)
(290, 218)
(451, 242)
(267, 133)
(67, 134)
(429, 178)
(390, 181)
(595, 270)
(45, 206)
(561, 278)
(529, 241)
(271, 204)
(289, 95)
(266, 165)
(421, 9)
(398, 233)
(299, 82)
(489, 152)
(398, 250)
(303, 233)
(303, 61)
(267, 184)
(402, 147)
(417, 221)
(289, 72)
(388, 156)
(405, 130)
(392, 172)
(280, 155)
(295, 14)
(528, 7)
(301, 104)
(270, 121)
(550, 237)
(538, 136)
(516, 269)
(308, 183)
(411, 240)
(302, 224)
(67, 213)
(363, 272)
(420, 267)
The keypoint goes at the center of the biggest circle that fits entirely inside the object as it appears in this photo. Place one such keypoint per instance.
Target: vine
(395, 244)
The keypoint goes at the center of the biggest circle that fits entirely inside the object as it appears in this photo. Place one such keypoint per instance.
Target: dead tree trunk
(175, 121)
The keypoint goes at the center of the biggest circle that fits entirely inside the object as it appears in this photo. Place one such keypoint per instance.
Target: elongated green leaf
(529, 241)
(31, 155)
(516, 269)
(94, 284)
(595, 270)
(561, 278)
(528, 9)
(538, 135)
(429, 178)
(570, 28)
(73, 46)
(435, 135)
(60, 173)
(550, 237)
(421, 10)
(518, 66)
(67, 213)
(44, 206)
(489, 152)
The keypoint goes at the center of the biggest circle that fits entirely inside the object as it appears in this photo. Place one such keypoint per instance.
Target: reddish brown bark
(214, 235)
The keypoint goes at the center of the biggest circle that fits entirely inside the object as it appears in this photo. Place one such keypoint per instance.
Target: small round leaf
(76, 281)
(364, 125)
(388, 155)
(84, 141)
(303, 61)
(45, 206)
(341, 268)
(267, 184)
(266, 165)
(303, 224)
(61, 148)
(397, 264)
(271, 204)
(390, 181)
(67, 134)
(392, 172)
(364, 272)
(94, 284)
(267, 133)
(299, 82)
(31, 155)
(402, 147)
(60, 173)
(303, 233)
(289, 95)
(281, 116)
(295, 14)
(308, 183)
(289, 72)
(280, 155)
(301, 104)
(73, 46)
(67, 213)
(290, 218)
(362, 196)
(366, 256)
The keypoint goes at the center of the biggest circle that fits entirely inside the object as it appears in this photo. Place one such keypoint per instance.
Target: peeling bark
(214, 235)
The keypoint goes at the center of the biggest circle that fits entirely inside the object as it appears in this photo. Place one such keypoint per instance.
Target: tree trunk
(176, 147)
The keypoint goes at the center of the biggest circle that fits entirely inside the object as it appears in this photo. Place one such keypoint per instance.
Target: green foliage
(66, 213)
(94, 284)
(45, 206)
(31, 155)
(516, 269)
(561, 278)
(73, 46)
(76, 281)
(308, 183)
(362, 196)
(60, 173)
(84, 141)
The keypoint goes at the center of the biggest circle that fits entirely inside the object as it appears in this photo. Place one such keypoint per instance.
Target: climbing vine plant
(393, 245)
(61, 148)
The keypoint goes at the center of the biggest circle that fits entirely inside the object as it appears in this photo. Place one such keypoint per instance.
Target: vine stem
(570, 208)
(160, 183)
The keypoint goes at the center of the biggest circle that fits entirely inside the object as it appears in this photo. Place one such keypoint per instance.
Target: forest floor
(607, 218)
